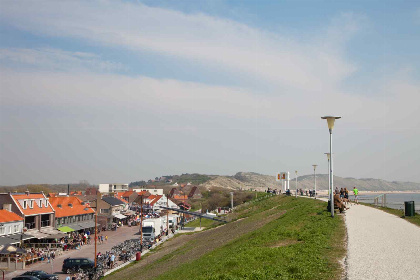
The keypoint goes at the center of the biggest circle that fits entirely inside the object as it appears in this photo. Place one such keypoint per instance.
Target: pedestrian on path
(356, 194)
(112, 260)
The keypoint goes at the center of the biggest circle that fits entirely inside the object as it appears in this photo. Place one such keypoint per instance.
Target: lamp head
(328, 155)
(314, 165)
(330, 121)
(296, 172)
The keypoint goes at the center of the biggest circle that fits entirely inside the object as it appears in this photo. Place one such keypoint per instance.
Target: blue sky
(127, 90)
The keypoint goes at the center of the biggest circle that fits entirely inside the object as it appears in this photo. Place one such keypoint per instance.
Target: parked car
(40, 274)
(25, 277)
(70, 264)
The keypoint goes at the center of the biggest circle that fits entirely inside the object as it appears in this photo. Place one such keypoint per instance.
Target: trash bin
(409, 208)
(329, 206)
(138, 256)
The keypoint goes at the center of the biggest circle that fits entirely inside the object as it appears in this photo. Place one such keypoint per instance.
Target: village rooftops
(7, 216)
(69, 206)
(32, 203)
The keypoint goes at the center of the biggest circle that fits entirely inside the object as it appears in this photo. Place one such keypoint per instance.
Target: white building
(10, 224)
(109, 188)
(151, 191)
(156, 201)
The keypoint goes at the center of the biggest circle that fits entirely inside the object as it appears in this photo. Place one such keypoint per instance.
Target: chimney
(68, 189)
(27, 193)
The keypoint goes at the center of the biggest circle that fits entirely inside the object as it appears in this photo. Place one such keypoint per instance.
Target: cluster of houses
(30, 217)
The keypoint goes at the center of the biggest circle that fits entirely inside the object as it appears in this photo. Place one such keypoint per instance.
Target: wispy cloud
(56, 59)
(222, 43)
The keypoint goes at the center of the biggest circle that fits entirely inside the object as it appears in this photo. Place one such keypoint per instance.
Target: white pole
(315, 179)
(331, 176)
(329, 183)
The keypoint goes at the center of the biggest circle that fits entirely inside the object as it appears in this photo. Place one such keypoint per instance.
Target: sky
(121, 91)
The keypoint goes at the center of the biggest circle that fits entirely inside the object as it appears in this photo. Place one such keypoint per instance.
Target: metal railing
(383, 200)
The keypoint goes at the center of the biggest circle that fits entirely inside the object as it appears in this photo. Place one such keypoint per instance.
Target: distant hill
(251, 180)
(241, 180)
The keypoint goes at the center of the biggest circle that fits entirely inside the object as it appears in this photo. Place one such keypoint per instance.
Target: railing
(383, 200)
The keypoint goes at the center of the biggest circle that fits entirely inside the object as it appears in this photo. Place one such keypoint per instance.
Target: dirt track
(186, 248)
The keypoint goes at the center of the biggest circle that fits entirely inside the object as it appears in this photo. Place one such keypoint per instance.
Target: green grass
(304, 243)
(397, 212)
(204, 223)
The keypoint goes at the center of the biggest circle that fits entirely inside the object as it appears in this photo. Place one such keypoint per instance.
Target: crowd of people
(341, 198)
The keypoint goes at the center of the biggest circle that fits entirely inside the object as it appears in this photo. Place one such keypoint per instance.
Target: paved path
(381, 245)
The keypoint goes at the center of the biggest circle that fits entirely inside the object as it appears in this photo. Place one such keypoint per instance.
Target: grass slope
(275, 238)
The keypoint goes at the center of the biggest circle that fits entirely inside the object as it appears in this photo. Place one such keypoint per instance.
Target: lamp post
(296, 182)
(96, 230)
(314, 165)
(329, 190)
(330, 122)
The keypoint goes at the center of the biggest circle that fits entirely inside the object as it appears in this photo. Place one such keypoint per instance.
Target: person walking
(356, 194)
(112, 259)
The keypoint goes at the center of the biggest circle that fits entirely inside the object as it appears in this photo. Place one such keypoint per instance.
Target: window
(105, 211)
(46, 203)
(2, 230)
(10, 229)
(15, 228)
(31, 203)
(40, 203)
(25, 204)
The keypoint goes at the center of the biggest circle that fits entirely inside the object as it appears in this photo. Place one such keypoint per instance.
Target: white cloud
(218, 42)
(56, 59)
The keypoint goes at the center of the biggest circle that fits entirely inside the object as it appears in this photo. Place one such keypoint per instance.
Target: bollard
(138, 256)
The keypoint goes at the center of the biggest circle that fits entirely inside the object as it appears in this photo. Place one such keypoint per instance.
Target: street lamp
(315, 165)
(296, 183)
(329, 190)
(330, 122)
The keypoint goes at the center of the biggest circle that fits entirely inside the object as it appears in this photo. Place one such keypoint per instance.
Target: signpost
(283, 177)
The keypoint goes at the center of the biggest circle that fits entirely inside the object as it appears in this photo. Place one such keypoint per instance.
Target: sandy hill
(255, 181)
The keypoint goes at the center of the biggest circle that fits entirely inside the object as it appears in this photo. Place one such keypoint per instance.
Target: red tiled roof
(180, 197)
(65, 210)
(155, 199)
(76, 193)
(127, 193)
(35, 209)
(6, 216)
(143, 193)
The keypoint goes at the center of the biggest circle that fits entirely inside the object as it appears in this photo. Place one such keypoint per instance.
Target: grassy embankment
(276, 238)
(397, 212)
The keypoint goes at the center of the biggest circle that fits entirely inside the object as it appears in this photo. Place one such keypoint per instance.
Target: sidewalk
(381, 245)
(87, 251)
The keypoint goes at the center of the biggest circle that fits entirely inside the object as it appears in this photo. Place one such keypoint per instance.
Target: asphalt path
(381, 245)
